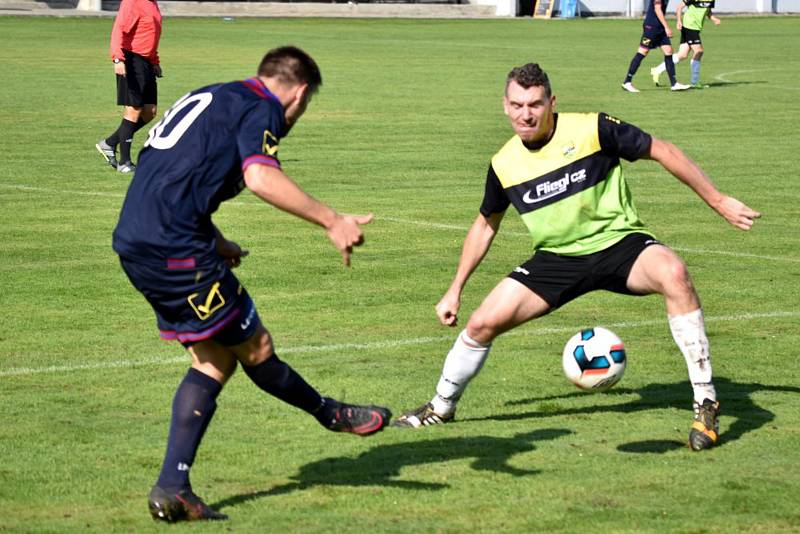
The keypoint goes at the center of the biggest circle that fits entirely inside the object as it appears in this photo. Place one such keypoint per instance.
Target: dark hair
(291, 65)
(529, 75)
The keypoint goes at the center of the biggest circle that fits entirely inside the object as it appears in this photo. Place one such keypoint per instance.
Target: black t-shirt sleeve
(618, 138)
(495, 199)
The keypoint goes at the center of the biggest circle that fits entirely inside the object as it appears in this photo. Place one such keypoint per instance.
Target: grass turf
(406, 121)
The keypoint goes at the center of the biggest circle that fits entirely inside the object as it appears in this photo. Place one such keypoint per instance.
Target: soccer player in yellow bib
(690, 23)
(562, 173)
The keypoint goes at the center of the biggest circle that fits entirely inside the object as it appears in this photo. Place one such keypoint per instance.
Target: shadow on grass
(378, 466)
(734, 399)
(718, 84)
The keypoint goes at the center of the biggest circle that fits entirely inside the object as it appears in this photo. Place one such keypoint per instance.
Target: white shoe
(680, 87)
(628, 86)
(655, 74)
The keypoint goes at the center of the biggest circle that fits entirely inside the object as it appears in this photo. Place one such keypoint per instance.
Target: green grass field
(407, 119)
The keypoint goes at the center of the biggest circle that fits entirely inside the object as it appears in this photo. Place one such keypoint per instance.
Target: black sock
(138, 125)
(279, 380)
(670, 65)
(192, 410)
(125, 133)
(634, 66)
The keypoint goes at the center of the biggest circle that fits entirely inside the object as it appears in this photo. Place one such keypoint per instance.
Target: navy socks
(192, 409)
(280, 380)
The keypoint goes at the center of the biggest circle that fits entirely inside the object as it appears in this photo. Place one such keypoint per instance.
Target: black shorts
(654, 37)
(560, 279)
(138, 87)
(690, 37)
(192, 305)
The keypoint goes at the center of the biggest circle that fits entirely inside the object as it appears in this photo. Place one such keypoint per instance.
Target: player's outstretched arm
(273, 186)
(687, 171)
(476, 245)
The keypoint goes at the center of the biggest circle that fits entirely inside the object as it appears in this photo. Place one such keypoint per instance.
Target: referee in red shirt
(134, 51)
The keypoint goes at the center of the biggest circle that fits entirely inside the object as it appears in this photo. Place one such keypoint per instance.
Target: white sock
(676, 59)
(689, 333)
(463, 362)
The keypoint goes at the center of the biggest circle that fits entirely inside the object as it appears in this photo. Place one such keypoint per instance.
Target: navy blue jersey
(193, 160)
(650, 18)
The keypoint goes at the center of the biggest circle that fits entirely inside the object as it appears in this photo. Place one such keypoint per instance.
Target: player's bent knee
(675, 278)
(481, 330)
(256, 349)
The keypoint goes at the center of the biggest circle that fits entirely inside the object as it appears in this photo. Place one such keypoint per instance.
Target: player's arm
(679, 14)
(661, 18)
(713, 18)
(273, 186)
(476, 245)
(229, 250)
(123, 24)
(687, 171)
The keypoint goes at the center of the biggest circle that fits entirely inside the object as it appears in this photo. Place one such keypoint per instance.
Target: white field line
(398, 220)
(679, 249)
(377, 345)
(723, 77)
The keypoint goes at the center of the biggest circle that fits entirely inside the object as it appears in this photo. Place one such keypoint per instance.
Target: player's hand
(668, 31)
(447, 309)
(345, 233)
(737, 213)
(678, 25)
(119, 68)
(231, 252)
(157, 71)
(716, 21)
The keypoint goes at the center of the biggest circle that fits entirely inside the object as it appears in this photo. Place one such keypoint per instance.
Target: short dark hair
(291, 65)
(530, 75)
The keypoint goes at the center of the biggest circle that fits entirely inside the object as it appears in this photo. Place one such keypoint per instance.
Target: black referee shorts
(138, 87)
(560, 279)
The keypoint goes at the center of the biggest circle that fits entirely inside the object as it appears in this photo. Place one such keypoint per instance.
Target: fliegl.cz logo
(552, 188)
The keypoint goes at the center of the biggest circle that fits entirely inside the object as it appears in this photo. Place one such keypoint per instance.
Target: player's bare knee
(676, 279)
(480, 329)
(257, 349)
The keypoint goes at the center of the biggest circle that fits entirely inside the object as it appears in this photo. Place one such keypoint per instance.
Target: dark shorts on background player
(138, 86)
(192, 304)
(690, 37)
(560, 279)
(654, 37)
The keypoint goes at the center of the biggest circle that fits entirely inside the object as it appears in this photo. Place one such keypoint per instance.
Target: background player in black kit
(209, 146)
(655, 34)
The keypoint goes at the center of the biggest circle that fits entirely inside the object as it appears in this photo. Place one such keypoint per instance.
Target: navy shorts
(560, 279)
(195, 304)
(138, 87)
(690, 37)
(654, 37)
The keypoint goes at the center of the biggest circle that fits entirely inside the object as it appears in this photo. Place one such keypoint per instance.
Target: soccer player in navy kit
(655, 34)
(210, 145)
(563, 174)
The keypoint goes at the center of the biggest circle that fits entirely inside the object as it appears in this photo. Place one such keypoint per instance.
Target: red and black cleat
(180, 506)
(361, 420)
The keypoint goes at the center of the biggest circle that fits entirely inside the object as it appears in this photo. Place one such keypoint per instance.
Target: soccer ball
(594, 359)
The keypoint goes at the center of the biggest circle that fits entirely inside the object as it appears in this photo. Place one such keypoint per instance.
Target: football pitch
(404, 126)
